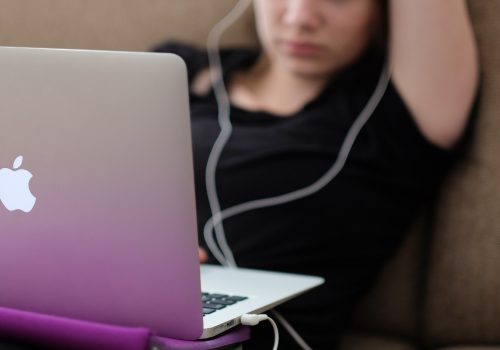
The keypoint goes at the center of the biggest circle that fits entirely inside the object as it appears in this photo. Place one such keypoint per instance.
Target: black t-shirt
(346, 231)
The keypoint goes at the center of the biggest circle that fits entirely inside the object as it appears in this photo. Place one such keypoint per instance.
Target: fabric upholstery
(115, 24)
(462, 299)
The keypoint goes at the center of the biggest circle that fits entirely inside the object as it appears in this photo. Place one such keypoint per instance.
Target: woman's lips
(298, 48)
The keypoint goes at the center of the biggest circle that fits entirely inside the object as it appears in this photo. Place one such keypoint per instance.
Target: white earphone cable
(223, 103)
(219, 246)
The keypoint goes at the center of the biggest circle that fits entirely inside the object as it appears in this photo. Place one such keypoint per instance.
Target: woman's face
(314, 38)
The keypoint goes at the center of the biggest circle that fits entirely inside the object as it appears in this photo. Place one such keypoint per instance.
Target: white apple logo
(14, 188)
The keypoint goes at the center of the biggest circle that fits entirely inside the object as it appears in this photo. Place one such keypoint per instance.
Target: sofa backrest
(462, 296)
(135, 25)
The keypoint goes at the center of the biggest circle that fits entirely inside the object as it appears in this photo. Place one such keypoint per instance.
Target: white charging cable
(253, 320)
(219, 246)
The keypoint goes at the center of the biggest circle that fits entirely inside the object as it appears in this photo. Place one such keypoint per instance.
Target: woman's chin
(312, 72)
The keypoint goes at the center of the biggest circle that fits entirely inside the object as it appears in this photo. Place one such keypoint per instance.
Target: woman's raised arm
(434, 62)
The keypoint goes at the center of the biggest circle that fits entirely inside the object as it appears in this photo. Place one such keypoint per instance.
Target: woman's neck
(268, 87)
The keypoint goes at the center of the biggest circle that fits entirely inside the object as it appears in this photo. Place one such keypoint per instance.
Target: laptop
(97, 202)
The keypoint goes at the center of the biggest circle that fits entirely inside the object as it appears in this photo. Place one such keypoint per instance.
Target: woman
(292, 104)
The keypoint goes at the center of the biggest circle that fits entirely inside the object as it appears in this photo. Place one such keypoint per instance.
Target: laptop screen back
(97, 204)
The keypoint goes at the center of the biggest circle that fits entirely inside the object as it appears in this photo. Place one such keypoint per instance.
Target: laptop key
(218, 296)
(213, 306)
(207, 311)
(223, 301)
(237, 298)
(216, 301)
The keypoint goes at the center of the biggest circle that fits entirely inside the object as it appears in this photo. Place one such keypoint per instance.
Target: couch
(442, 289)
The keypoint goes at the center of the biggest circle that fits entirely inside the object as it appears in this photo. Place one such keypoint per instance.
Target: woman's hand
(202, 255)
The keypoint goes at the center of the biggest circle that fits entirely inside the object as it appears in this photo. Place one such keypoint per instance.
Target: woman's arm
(434, 64)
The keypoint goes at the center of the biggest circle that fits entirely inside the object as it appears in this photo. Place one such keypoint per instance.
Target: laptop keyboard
(214, 301)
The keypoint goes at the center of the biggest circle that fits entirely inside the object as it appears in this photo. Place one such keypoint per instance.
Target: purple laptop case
(62, 333)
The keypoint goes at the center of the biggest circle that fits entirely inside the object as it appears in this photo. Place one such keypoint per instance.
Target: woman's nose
(301, 13)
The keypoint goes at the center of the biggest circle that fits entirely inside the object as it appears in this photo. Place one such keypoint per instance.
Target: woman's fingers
(202, 255)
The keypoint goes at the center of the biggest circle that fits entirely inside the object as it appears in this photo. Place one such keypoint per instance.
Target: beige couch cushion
(114, 24)
(463, 295)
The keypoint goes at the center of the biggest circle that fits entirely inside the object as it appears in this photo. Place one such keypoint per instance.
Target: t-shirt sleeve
(402, 137)
(195, 58)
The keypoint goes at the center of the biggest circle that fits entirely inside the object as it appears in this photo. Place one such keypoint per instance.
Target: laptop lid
(97, 204)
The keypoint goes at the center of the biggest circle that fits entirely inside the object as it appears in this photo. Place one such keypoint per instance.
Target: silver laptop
(97, 203)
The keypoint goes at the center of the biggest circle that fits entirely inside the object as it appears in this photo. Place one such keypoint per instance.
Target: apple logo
(15, 193)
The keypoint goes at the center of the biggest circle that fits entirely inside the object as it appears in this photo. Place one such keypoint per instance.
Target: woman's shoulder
(395, 120)
(195, 55)
(197, 61)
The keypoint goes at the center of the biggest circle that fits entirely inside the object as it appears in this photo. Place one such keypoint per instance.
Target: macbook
(97, 202)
